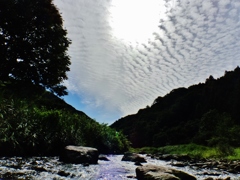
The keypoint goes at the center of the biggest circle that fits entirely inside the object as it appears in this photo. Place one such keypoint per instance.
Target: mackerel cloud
(196, 39)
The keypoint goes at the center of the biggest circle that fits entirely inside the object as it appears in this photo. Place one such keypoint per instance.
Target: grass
(236, 155)
(41, 124)
(193, 150)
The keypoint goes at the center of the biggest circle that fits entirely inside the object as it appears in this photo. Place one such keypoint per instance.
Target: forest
(206, 114)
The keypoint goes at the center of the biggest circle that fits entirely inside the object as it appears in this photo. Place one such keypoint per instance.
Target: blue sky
(126, 53)
(75, 100)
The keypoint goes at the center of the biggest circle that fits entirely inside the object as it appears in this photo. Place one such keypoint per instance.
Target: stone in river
(153, 172)
(133, 157)
(79, 155)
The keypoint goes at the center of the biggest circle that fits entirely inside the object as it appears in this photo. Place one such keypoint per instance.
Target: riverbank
(49, 168)
(194, 151)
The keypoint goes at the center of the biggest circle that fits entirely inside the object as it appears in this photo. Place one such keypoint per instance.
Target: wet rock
(7, 175)
(183, 157)
(103, 158)
(153, 172)
(63, 173)
(15, 166)
(85, 164)
(131, 176)
(133, 157)
(209, 178)
(11, 175)
(227, 178)
(137, 163)
(34, 163)
(211, 174)
(232, 171)
(211, 164)
(166, 157)
(39, 168)
(178, 164)
(237, 168)
(79, 155)
(222, 166)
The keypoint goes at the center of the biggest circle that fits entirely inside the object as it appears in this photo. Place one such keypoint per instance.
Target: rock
(39, 168)
(79, 155)
(212, 174)
(63, 173)
(153, 172)
(209, 178)
(137, 163)
(237, 168)
(103, 158)
(178, 164)
(12, 175)
(131, 176)
(166, 157)
(85, 164)
(133, 157)
(227, 178)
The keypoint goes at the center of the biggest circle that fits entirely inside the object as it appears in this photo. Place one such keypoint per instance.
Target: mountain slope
(34, 121)
(207, 113)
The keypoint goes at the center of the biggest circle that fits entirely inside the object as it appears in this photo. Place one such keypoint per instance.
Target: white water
(115, 169)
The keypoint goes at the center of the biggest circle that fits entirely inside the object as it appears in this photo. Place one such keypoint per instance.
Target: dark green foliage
(42, 124)
(206, 114)
(33, 44)
(33, 59)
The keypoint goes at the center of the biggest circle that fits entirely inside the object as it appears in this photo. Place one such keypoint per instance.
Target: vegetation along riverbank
(35, 121)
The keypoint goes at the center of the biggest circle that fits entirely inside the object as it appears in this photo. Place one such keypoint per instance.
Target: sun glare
(134, 21)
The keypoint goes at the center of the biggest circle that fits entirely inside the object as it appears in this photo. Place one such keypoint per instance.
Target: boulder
(103, 158)
(133, 157)
(79, 155)
(153, 172)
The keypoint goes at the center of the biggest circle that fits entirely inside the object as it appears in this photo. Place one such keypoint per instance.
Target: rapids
(49, 168)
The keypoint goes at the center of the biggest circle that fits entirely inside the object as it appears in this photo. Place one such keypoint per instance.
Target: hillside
(207, 113)
(34, 121)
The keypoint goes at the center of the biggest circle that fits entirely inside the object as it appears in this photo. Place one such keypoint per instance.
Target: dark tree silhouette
(33, 44)
(206, 113)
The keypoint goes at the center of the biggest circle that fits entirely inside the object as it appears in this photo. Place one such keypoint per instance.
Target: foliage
(235, 155)
(206, 114)
(33, 44)
(193, 150)
(28, 127)
(33, 65)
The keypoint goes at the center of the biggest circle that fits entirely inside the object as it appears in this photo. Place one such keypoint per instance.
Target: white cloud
(195, 39)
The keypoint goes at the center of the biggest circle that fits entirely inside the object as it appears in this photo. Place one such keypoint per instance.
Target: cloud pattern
(196, 39)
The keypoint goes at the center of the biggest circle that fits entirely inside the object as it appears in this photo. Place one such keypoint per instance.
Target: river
(49, 168)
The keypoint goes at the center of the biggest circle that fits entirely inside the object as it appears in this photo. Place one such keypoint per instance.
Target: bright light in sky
(126, 53)
(135, 21)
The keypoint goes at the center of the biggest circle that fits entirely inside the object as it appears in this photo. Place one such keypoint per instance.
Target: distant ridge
(207, 113)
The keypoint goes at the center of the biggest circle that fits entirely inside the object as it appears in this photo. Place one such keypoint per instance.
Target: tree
(33, 44)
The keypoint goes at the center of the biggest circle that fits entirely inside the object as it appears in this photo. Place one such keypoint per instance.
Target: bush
(27, 129)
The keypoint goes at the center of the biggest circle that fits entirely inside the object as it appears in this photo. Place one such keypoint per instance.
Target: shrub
(27, 129)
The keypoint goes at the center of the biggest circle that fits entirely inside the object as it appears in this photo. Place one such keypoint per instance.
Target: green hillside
(34, 121)
(206, 114)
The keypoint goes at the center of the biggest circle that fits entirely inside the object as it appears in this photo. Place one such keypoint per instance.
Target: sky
(126, 53)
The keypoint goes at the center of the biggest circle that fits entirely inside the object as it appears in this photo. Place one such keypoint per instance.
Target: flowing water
(49, 168)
